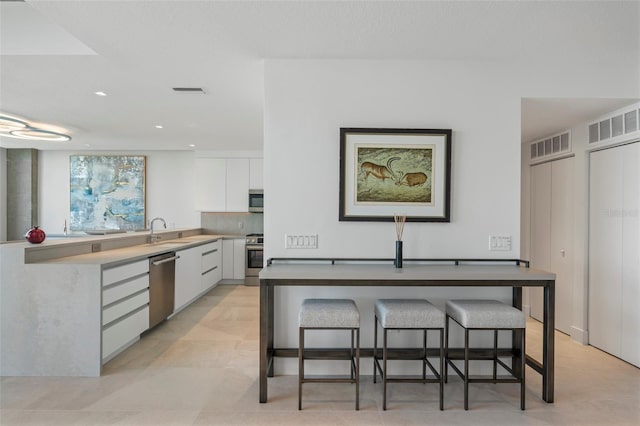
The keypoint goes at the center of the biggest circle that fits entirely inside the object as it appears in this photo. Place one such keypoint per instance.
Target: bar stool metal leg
(384, 368)
(375, 346)
(523, 364)
(358, 369)
(442, 369)
(424, 354)
(446, 353)
(466, 368)
(300, 366)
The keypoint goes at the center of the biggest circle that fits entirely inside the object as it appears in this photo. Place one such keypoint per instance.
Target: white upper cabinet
(237, 185)
(222, 184)
(211, 184)
(256, 170)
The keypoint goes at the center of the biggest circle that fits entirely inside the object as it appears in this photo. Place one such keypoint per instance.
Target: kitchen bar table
(417, 272)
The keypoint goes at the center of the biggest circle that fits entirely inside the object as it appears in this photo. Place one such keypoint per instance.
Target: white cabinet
(222, 185)
(256, 172)
(125, 305)
(237, 190)
(614, 251)
(187, 285)
(233, 259)
(552, 217)
(211, 181)
(239, 255)
(211, 265)
(197, 270)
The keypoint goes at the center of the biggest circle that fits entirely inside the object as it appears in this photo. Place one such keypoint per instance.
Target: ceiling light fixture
(8, 124)
(192, 145)
(100, 93)
(159, 127)
(19, 129)
(32, 133)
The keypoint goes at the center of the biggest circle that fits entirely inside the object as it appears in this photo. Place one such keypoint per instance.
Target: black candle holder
(398, 260)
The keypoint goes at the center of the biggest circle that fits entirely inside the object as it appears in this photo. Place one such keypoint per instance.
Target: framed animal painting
(395, 171)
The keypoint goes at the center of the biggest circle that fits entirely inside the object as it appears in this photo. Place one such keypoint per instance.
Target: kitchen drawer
(119, 273)
(124, 289)
(211, 278)
(124, 307)
(122, 332)
(210, 256)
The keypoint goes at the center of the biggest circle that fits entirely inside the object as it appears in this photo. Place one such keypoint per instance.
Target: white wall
(3, 194)
(170, 187)
(306, 103)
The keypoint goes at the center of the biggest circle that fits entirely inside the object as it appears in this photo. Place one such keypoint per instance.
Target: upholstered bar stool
(407, 314)
(487, 315)
(330, 314)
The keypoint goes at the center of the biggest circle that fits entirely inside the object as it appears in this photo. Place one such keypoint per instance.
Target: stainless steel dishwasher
(162, 277)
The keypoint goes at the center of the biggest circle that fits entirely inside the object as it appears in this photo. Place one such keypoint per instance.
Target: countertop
(137, 252)
(373, 274)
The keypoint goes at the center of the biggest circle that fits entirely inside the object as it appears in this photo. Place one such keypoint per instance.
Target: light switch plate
(500, 243)
(301, 241)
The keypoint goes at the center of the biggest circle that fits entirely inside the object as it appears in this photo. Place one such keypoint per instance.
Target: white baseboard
(579, 335)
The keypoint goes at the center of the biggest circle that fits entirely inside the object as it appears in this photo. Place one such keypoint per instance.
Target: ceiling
(56, 54)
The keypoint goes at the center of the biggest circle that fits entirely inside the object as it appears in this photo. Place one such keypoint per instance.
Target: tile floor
(201, 368)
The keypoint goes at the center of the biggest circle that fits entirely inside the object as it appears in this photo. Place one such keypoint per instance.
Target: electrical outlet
(300, 241)
(500, 243)
(95, 247)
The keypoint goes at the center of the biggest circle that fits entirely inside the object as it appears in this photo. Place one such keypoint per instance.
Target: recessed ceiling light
(159, 127)
(192, 145)
(101, 94)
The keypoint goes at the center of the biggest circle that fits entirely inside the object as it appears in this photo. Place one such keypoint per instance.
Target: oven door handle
(256, 247)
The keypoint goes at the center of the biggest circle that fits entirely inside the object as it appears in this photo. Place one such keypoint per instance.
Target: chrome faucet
(153, 238)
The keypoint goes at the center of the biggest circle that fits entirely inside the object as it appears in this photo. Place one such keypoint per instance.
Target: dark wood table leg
(548, 343)
(516, 340)
(270, 328)
(264, 339)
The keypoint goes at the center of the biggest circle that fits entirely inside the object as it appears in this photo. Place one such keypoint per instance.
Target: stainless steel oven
(254, 247)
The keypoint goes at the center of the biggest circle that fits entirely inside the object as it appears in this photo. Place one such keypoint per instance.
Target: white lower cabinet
(233, 259)
(187, 285)
(125, 293)
(125, 305)
(125, 331)
(211, 265)
(197, 270)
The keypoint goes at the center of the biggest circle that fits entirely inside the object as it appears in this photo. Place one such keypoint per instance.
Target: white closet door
(630, 341)
(561, 244)
(605, 249)
(540, 229)
(552, 221)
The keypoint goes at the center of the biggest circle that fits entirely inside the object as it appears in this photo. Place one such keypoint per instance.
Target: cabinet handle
(168, 259)
(209, 252)
(209, 270)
